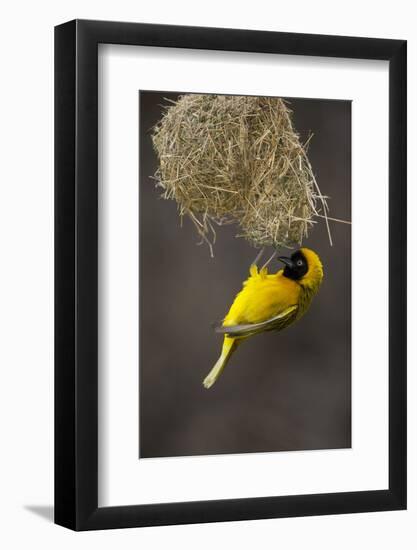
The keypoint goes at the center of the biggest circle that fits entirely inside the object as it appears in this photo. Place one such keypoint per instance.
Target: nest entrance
(238, 159)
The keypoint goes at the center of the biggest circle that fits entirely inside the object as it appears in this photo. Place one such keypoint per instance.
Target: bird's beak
(287, 261)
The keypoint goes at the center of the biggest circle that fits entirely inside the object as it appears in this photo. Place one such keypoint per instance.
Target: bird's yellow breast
(262, 297)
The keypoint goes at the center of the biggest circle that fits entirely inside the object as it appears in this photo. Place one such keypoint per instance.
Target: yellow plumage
(269, 302)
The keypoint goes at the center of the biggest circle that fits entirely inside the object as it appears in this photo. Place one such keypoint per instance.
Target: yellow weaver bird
(269, 302)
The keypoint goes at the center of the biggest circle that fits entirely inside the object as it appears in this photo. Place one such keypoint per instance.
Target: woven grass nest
(237, 159)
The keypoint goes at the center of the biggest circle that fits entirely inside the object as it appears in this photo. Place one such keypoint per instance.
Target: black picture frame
(76, 272)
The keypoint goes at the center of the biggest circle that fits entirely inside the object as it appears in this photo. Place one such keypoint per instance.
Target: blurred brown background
(281, 391)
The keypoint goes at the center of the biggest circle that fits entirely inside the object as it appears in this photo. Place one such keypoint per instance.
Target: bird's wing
(275, 323)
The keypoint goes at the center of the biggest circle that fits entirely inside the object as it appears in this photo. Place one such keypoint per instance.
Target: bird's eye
(300, 263)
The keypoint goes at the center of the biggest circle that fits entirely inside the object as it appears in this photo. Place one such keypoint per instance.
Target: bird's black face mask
(296, 266)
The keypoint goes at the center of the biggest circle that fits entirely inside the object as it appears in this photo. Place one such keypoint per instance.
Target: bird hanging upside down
(269, 302)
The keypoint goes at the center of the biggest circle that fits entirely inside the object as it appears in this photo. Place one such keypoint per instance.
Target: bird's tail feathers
(229, 347)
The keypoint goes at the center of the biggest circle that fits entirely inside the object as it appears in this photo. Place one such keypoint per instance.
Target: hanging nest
(237, 159)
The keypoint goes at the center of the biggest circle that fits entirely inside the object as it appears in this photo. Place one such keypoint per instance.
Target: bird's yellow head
(304, 266)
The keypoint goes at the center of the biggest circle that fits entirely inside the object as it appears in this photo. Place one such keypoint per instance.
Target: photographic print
(212, 354)
(245, 274)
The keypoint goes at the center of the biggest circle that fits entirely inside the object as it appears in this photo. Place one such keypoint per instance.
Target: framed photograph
(230, 253)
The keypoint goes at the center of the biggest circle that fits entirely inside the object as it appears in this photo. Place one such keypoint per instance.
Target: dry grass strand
(238, 159)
